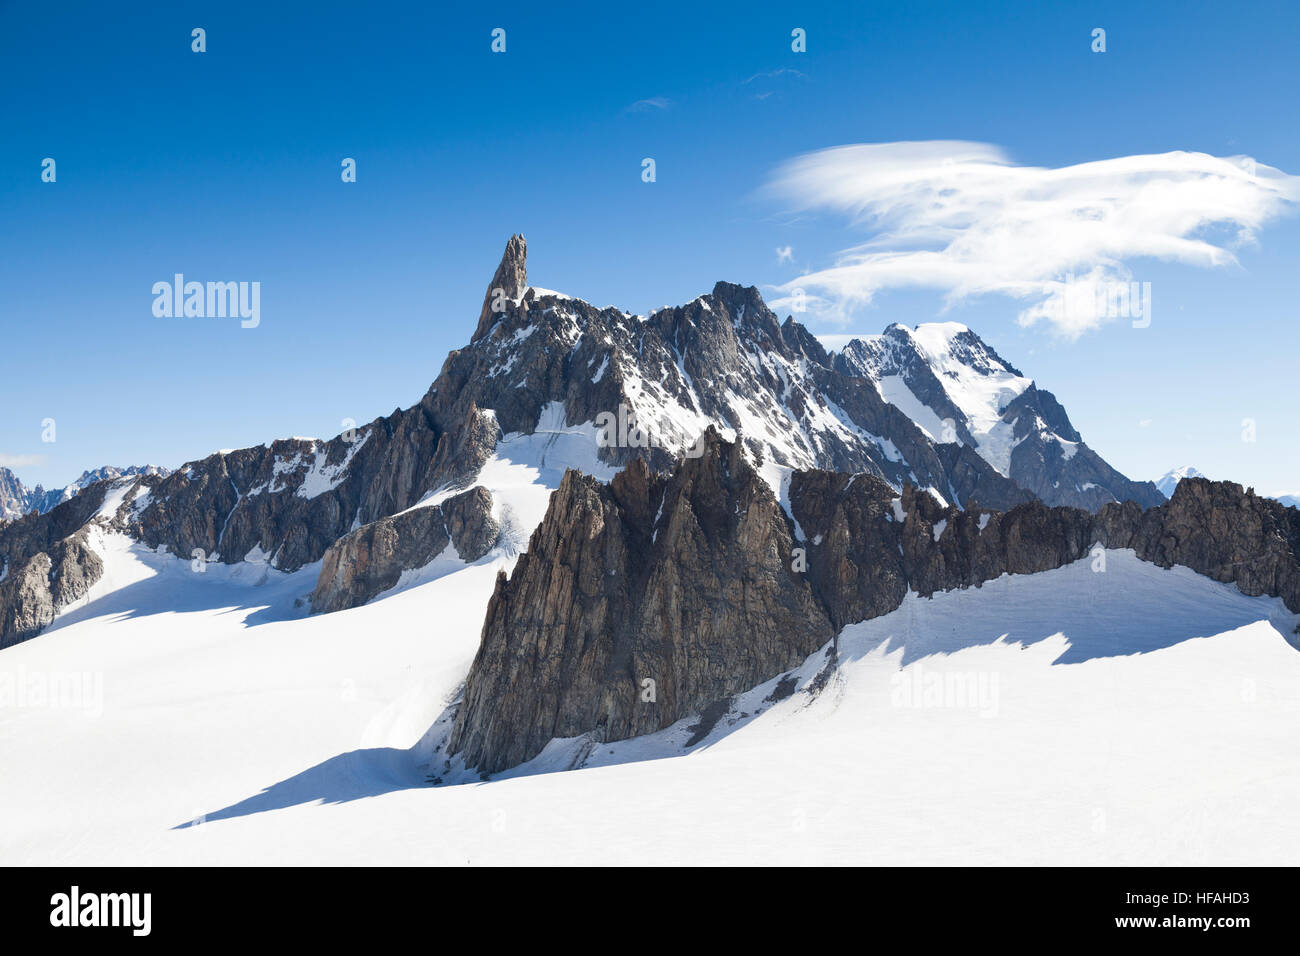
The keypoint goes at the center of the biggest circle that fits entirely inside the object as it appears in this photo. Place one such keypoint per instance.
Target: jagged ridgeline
(700, 582)
(933, 407)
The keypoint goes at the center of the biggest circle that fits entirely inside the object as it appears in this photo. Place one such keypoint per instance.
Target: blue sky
(225, 166)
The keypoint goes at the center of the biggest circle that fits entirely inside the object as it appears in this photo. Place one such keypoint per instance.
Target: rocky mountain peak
(508, 285)
(16, 499)
(957, 388)
(542, 361)
(886, 405)
(13, 496)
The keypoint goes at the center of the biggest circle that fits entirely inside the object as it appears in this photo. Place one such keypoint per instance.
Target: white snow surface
(1135, 716)
(981, 397)
(894, 390)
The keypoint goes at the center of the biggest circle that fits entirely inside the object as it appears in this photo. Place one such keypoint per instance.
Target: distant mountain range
(1170, 481)
(16, 499)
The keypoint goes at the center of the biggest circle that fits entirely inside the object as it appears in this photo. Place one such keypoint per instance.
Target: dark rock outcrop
(1217, 529)
(46, 562)
(684, 582)
(14, 496)
(701, 583)
(470, 524)
(16, 499)
(507, 286)
(296, 497)
(371, 559)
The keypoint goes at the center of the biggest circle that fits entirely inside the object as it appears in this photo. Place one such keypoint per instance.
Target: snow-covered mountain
(300, 634)
(13, 496)
(1170, 481)
(958, 389)
(624, 387)
(936, 407)
(16, 499)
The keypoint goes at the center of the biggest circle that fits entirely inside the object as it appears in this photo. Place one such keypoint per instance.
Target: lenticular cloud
(963, 218)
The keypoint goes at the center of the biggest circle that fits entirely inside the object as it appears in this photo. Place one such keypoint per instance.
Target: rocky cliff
(638, 602)
(370, 560)
(14, 496)
(46, 561)
(702, 585)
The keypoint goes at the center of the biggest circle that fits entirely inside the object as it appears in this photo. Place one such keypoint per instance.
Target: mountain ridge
(723, 360)
(647, 599)
(16, 499)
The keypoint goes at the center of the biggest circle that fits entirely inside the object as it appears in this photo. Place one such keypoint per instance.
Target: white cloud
(784, 254)
(774, 74)
(653, 103)
(962, 218)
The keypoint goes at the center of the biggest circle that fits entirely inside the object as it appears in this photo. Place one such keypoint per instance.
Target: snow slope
(1134, 716)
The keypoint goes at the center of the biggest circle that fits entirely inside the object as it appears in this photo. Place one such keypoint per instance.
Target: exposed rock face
(34, 592)
(295, 498)
(46, 563)
(16, 499)
(701, 582)
(13, 496)
(684, 581)
(470, 524)
(1216, 529)
(371, 559)
(507, 286)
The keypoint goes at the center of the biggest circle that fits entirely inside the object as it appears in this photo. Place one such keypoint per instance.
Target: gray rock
(470, 524)
(507, 285)
(682, 581)
(371, 559)
(46, 563)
